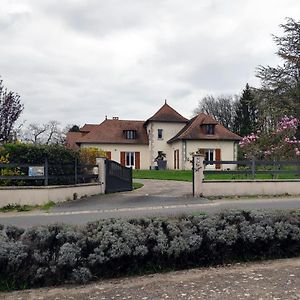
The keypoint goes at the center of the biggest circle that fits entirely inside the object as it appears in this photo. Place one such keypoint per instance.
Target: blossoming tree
(281, 143)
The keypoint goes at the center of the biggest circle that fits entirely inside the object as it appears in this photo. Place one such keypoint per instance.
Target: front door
(130, 159)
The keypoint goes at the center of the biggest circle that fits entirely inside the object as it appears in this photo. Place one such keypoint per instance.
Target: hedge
(57, 254)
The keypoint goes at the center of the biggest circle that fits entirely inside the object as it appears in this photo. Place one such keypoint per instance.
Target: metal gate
(118, 177)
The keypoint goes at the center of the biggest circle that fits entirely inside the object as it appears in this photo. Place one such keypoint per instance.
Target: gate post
(198, 168)
(100, 161)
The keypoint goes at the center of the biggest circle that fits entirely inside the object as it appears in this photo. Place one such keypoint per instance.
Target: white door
(130, 159)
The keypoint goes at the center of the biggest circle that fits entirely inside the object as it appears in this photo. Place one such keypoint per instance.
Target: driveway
(156, 198)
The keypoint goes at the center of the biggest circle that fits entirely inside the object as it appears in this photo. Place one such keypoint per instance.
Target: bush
(56, 254)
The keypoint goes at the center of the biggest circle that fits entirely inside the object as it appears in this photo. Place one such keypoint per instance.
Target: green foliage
(280, 86)
(36, 154)
(88, 155)
(246, 113)
(55, 254)
(74, 128)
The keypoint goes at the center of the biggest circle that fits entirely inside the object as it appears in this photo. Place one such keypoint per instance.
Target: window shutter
(218, 157)
(137, 160)
(122, 158)
(108, 155)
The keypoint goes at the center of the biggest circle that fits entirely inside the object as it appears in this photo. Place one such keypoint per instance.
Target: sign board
(36, 171)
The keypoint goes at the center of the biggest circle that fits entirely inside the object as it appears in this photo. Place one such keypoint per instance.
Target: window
(129, 159)
(209, 155)
(160, 134)
(130, 134)
(210, 129)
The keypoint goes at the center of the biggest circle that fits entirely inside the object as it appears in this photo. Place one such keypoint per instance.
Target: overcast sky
(76, 61)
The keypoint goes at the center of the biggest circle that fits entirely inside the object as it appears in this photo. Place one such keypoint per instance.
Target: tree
(10, 110)
(47, 133)
(280, 86)
(74, 128)
(245, 121)
(281, 143)
(221, 108)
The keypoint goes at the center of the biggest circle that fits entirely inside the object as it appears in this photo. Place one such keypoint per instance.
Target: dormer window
(209, 129)
(130, 134)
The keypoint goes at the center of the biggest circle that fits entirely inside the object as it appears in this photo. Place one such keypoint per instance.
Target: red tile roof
(167, 114)
(195, 131)
(112, 132)
(72, 138)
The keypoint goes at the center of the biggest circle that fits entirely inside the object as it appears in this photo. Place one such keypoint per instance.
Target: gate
(118, 177)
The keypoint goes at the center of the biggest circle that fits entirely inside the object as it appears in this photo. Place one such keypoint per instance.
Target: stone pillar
(100, 161)
(198, 168)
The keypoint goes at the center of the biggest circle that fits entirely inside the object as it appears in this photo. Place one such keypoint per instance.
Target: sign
(36, 171)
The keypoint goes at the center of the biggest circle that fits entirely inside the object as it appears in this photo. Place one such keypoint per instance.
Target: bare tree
(10, 110)
(47, 133)
(221, 108)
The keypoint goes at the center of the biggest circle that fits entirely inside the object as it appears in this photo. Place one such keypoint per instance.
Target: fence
(47, 173)
(249, 178)
(253, 169)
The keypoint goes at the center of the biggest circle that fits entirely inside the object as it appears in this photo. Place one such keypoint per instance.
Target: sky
(78, 61)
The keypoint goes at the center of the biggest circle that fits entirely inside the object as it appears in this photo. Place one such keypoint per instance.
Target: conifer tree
(246, 113)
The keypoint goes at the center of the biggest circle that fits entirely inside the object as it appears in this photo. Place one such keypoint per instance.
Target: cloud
(77, 61)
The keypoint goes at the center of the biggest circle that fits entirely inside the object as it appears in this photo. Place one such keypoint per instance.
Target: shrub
(56, 254)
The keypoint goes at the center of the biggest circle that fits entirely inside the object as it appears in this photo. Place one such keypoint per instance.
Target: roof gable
(167, 114)
(194, 130)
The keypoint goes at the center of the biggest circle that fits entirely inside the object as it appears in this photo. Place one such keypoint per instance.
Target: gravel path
(274, 280)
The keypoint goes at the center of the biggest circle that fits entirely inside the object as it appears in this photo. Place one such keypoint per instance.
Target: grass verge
(137, 185)
(22, 208)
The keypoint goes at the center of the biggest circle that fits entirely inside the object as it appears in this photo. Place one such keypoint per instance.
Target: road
(156, 198)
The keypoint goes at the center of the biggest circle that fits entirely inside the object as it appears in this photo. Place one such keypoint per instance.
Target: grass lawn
(179, 175)
(185, 175)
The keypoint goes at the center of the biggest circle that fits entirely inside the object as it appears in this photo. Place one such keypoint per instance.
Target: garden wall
(250, 188)
(42, 194)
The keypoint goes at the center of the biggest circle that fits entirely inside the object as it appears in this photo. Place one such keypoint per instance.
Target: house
(138, 143)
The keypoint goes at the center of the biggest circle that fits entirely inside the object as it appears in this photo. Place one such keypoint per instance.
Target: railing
(251, 168)
(47, 173)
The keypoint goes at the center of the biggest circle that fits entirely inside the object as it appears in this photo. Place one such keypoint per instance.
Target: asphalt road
(156, 198)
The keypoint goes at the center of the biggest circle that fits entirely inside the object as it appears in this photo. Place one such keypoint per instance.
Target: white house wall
(228, 151)
(116, 149)
(155, 144)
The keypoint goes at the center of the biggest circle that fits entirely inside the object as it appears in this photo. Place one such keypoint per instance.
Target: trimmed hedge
(56, 254)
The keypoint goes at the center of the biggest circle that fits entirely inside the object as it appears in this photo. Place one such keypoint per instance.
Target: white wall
(42, 194)
(155, 144)
(250, 188)
(228, 151)
(116, 149)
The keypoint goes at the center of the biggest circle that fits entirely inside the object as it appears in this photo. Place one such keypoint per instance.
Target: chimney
(115, 118)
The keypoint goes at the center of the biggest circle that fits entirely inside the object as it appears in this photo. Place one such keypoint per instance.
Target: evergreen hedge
(57, 254)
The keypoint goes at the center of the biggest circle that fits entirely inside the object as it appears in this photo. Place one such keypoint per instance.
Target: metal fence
(252, 168)
(47, 173)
